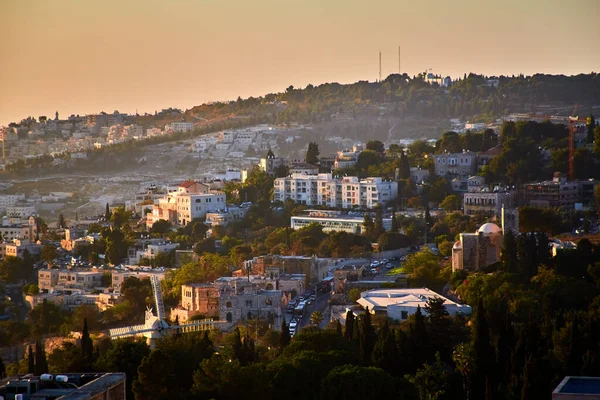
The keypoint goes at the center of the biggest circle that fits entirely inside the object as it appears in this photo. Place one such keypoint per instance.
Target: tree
(354, 295)
(367, 336)
(49, 253)
(395, 226)
(285, 338)
(450, 203)
(597, 141)
(376, 146)
(349, 328)
(2, 369)
(312, 154)
(483, 352)
(404, 166)
(351, 382)
(41, 364)
(439, 327)
(120, 217)
(107, 213)
(316, 318)
(378, 228)
(590, 126)
(161, 227)
(508, 256)
(205, 246)
(154, 382)
(87, 346)
(62, 222)
(432, 381)
(30, 360)
(384, 352)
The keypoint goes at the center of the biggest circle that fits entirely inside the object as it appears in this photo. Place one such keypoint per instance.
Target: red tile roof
(187, 184)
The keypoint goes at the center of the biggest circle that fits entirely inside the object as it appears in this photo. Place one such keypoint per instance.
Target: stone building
(461, 164)
(474, 251)
(241, 301)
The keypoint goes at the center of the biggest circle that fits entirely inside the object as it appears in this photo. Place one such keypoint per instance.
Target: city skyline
(79, 58)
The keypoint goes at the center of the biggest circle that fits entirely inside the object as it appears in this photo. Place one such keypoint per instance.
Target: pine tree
(30, 361)
(369, 226)
(237, 345)
(41, 364)
(62, 223)
(367, 337)
(312, 154)
(285, 337)
(404, 166)
(597, 141)
(349, 329)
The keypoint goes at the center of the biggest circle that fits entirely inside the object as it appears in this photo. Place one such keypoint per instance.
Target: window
(248, 303)
(228, 305)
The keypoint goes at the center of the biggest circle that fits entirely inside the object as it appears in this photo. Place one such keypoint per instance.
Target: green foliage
(316, 318)
(46, 318)
(533, 219)
(354, 382)
(376, 146)
(123, 356)
(161, 227)
(354, 295)
(30, 289)
(14, 269)
(312, 154)
(424, 268)
(393, 241)
(450, 203)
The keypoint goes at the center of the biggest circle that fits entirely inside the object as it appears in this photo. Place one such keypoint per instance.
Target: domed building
(474, 251)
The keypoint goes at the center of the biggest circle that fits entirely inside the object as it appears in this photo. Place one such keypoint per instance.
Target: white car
(374, 271)
(375, 264)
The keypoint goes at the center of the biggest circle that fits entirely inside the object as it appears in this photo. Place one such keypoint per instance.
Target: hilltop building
(474, 251)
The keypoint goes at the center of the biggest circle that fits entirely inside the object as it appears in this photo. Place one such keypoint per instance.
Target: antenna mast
(380, 66)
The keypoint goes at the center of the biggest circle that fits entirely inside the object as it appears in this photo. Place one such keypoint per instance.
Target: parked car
(389, 266)
(374, 271)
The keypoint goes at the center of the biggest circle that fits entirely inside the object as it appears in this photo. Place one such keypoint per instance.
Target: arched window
(229, 317)
(228, 304)
(269, 286)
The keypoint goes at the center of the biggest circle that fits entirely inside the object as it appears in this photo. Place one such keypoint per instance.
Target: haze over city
(84, 57)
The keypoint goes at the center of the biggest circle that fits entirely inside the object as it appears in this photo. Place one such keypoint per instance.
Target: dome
(489, 228)
(457, 245)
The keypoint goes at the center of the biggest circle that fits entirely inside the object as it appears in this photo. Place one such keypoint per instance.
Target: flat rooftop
(379, 299)
(581, 386)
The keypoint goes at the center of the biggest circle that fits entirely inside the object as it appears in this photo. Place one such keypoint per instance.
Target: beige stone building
(474, 251)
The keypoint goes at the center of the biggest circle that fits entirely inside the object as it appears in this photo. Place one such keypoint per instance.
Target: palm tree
(316, 318)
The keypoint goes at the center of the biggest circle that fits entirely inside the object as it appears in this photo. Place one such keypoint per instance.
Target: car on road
(384, 261)
(389, 266)
(374, 271)
(395, 259)
(375, 263)
(313, 297)
(293, 326)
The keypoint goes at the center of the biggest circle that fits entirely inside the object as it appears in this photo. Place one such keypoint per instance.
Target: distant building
(474, 251)
(176, 127)
(118, 277)
(461, 164)
(241, 301)
(347, 158)
(334, 221)
(418, 174)
(488, 203)
(303, 168)
(19, 231)
(271, 164)
(324, 190)
(559, 193)
(399, 304)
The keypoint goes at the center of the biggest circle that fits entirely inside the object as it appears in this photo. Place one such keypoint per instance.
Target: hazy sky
(86, 56)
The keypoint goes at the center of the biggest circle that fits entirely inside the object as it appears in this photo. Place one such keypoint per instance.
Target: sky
(87, 56)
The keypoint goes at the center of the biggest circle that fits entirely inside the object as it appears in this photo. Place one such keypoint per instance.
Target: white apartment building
(334, 221)
(226, 136)
(191, 200)
(347, 192)
(176, 127)
(19, 231)
(20, 210)
(9, 200)
(150, 251)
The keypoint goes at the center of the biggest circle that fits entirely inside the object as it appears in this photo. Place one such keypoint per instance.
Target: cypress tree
(107, 213)
(404, 166)
(41, 364)
(591, 124)
(378, 228)
(508, 257)
(384, 351)
(349, 325)
(237, 345)
(285, 338)
(367, 337)
(87, 346)
(356, 331)
(394, 223)
(30, 361)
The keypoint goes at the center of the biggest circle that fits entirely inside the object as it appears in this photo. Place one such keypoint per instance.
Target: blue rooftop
(579, 385)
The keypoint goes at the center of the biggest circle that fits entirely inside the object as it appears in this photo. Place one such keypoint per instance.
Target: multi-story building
(149, 251)
(488, 203)
(461, 164)
(19, 247)
(313, 268)
(198, 298)
(271, 164)
(118, 277)
(10, 200)
(55, 279)
(418, 174)
(20, 231)
(323, 190)
(241, 301)
(334, 221)
(191, 200)
(20, 210)
(303, 168)
(347, 158)
(558, 193)
(175, 127)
